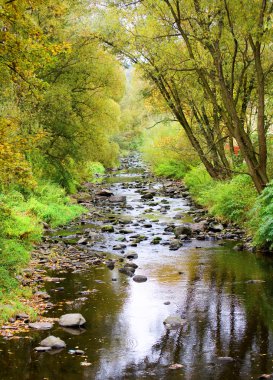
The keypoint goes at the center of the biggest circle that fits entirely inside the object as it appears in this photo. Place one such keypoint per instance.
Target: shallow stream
(228, 333)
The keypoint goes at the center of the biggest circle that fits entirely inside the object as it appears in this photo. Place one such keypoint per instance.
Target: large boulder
(72, 320)
(52, 342)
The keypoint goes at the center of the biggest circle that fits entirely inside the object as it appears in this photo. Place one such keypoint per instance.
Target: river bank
(140, 229)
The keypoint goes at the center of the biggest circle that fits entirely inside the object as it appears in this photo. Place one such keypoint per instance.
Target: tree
(217, 51)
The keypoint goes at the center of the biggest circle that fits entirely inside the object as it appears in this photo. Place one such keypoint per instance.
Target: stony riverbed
(163, 288)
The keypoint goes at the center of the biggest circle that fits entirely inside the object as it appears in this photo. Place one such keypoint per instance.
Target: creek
(224, 296)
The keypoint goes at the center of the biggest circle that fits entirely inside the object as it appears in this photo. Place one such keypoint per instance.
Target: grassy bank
(22, 215)
(233, 201)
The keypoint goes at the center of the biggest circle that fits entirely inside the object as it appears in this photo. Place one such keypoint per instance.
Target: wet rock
(76, 352)
(43, 295)
(184, 229)
(22, 316)
(126, 271)
(216, 227)
(148, 194)
(72, 320)
(156, 240)
(125, 231)
(105, 193)
(131, 255)
(83, 241)
(119, 247)
(175, 244)
(139, 278)
(131, 265)
(118, 199)
(174, 322)
(42, 349)
(110, 265)
(167, 303)
(147, 225)
(107, 228)
(41, 325)
(255, 281)
(52, 342)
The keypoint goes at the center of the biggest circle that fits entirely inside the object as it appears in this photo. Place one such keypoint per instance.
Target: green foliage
(229, 200)
(21, 217)
(50, 204)
(171, 169)
(168, 150)
(198, 179)
(261, 222)
(95, 168)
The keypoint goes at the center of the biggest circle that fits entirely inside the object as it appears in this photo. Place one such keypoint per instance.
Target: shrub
(198, 179)
(171, 169)
(230, 200)
(261, 222)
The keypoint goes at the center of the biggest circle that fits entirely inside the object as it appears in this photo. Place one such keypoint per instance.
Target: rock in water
(184, 229)
(174, 322)
(118, 199)
(131, 255)
(216, 227)
(175, 244)
(140, 278)
(41, 325)
(52, 342)
(72, 320)
(127, 271)
(105, 193)
(42, 349)
(107, 228)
